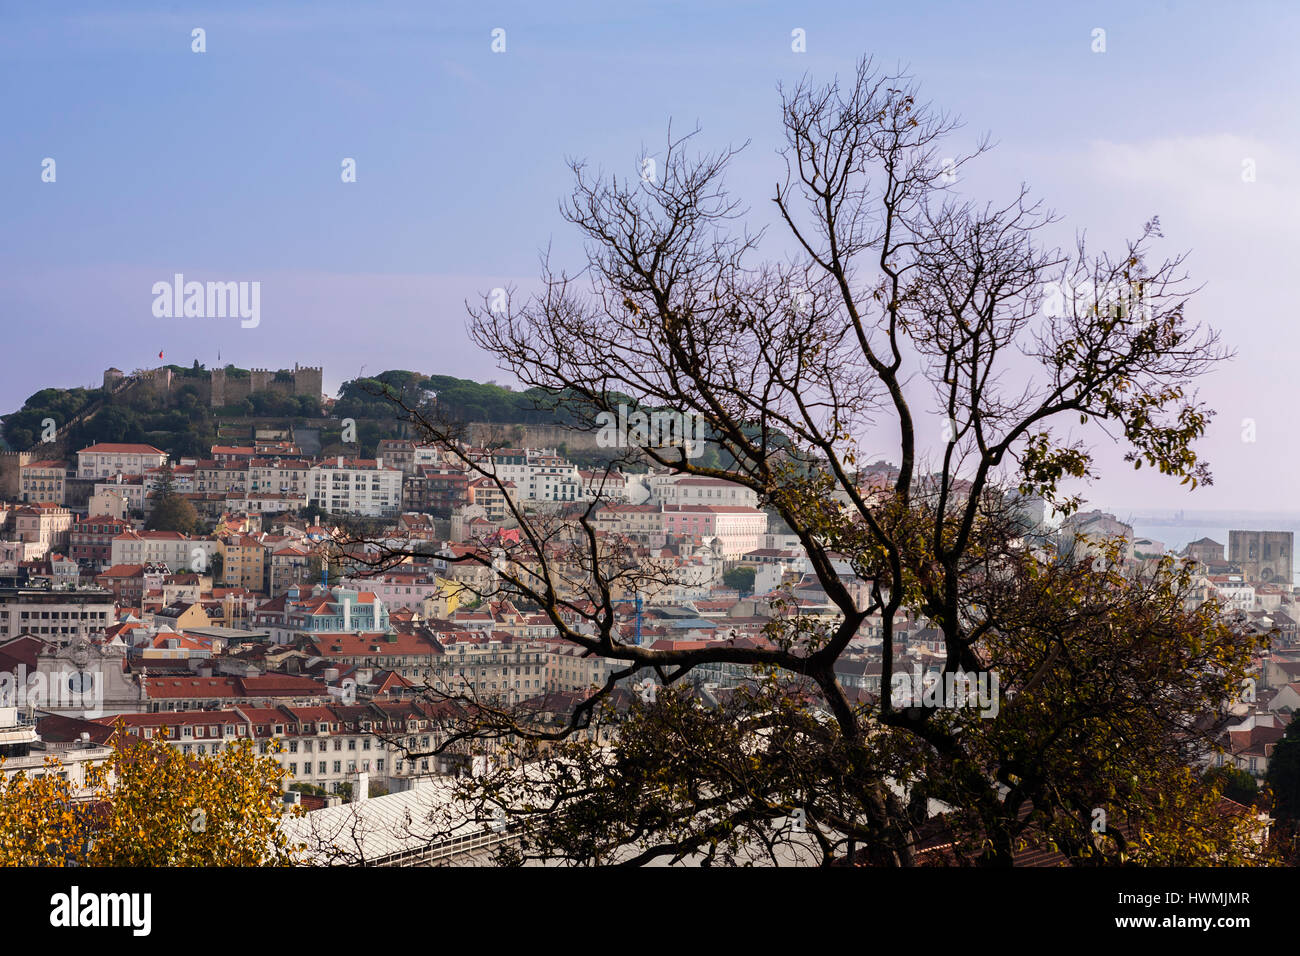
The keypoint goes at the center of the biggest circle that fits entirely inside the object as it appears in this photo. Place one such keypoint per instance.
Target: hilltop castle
(224, 386)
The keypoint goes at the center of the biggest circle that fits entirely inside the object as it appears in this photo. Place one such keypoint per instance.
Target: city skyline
(226, 166)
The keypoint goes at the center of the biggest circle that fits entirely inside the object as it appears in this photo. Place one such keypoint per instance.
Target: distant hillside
(172, 407)
(459, 399)
(185, 411)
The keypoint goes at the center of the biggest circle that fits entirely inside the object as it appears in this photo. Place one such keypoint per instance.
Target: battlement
(299, 380)
(220, 388)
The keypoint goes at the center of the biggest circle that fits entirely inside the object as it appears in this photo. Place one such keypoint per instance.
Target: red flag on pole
(160, 354)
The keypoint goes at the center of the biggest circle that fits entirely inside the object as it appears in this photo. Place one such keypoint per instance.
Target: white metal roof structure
(423, 826)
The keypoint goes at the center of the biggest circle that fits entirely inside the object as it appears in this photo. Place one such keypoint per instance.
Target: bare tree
(900, 302)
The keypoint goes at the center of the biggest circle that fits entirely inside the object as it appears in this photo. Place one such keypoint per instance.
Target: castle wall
(534, 436)
(10, 463)
(227, 390)
(308, 380)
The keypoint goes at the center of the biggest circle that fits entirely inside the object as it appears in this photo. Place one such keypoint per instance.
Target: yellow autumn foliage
(149, 805)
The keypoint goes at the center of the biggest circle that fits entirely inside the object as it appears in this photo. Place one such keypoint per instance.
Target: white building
(274, 476)
(356, 486)
(177, 551)
(537, 474)
(105, 458)
(130, 488)
(1234, 591)
(58, 616)
(672, 489)
(25, 752)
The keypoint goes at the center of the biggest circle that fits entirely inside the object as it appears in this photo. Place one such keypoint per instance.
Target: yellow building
(243, 562)
(445, 601)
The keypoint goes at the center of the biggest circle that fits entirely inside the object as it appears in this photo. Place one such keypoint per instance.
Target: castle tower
(308, 380)
(218, 398)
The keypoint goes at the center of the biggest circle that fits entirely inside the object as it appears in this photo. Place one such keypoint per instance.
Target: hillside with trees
(181, 424)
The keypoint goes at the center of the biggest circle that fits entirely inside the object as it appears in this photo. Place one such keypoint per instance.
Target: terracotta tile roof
(111, 448)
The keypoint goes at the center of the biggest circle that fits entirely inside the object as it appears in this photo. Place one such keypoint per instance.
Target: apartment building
(130, 488)
(491, 666)
(607, 486)
(26, 745)
(537, 474)
(243, 560)
(42, 481)
(628, 519)
(435, 489)
(672, 489)
(267, 503)
(273, 476)
(43, 524)
(315, 612)
(91, 539)
(105, 458)
(407, 455)
(408, 589)
(366, 487)
(55, 615)
(494, 499)
(739, 529)
(287, 565)
(177, 551)
(324, 745)
(221, 476)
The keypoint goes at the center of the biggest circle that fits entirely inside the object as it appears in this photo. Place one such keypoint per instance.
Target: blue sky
(225, 165)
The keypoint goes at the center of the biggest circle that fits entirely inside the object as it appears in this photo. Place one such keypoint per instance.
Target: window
(338, 766)
(293, 769)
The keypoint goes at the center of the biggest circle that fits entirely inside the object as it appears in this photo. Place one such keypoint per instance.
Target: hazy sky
(225, 165)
